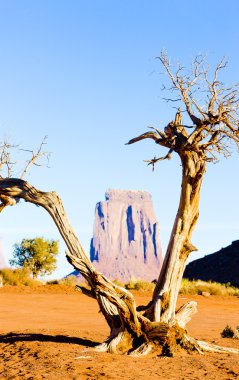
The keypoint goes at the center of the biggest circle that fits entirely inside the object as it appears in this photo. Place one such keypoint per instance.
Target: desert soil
(48, 333)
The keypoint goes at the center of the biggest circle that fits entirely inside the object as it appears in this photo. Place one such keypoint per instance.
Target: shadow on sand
(29, 337)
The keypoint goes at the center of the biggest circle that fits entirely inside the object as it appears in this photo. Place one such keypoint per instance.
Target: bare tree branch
(5, 158)
(36, 155)
(147, 135)
(8, 166)
(154, 160)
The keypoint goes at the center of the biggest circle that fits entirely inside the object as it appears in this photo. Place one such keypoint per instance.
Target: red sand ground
(44, 332)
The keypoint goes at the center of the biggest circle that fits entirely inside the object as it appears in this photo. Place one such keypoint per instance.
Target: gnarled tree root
(210, 347)
(110, 344)
(161, 339)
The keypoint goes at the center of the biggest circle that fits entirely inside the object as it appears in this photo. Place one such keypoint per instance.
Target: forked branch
(35, 157)
(154, 160)
(212, 107)
(8, 166)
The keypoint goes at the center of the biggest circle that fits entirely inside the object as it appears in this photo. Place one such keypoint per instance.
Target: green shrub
(16, 277)
(37, 255)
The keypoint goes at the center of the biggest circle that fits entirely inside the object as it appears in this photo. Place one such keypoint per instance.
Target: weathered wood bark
(180, 246)
(214, 124)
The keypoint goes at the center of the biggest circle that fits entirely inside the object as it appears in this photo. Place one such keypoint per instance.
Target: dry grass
(139, 285)
(69, 281)
(187, 287)
(18, 277)
(66, 281)
(214, 288)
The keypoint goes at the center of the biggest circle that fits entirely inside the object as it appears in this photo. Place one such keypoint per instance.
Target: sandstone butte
(126, 242)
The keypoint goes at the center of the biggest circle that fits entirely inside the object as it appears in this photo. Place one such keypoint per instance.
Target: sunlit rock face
(126, 241)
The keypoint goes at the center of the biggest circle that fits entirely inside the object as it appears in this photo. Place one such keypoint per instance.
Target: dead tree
(214, 127)
(157, 326)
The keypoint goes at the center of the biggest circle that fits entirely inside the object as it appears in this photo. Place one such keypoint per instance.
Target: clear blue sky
(85, 74)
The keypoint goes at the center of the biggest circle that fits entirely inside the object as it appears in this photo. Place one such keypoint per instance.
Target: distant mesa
(221, 266)
(126, 241)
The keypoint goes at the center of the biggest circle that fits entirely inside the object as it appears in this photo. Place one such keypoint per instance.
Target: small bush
(16, 277)
(119, 283)
(228, 332)
(139, 285)
(52, 282)
(69, 281)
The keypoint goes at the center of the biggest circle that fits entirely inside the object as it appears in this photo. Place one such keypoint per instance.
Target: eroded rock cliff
(126, 242)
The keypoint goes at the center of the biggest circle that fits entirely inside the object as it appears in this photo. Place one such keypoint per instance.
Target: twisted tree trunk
(180, 246)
